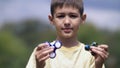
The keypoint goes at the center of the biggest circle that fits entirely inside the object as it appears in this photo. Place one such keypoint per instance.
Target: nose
(66, 22)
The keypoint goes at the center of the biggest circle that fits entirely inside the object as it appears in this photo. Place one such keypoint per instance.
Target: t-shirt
(72, 57)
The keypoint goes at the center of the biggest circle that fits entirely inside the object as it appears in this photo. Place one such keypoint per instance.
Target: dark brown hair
(60, 3)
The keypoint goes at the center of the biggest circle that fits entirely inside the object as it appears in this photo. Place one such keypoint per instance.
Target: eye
(60, 16)
(73, 16)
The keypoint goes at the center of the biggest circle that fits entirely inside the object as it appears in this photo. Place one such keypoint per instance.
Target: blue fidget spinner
(56, 45)
(87, 47)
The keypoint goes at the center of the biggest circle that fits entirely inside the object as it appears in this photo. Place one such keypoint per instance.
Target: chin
(67, 36)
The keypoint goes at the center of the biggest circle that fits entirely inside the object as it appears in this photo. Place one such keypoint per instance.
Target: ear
(50, 19)
(83, 18)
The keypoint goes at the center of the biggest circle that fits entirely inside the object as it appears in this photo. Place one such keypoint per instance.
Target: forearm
(99, 66)
(41, 65)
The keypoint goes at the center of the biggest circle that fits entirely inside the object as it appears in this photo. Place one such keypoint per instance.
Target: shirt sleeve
(32, 60)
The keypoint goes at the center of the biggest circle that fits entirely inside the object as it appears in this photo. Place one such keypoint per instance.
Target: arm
(101, 54)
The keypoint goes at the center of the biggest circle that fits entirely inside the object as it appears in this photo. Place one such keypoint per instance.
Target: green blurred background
(24, 25)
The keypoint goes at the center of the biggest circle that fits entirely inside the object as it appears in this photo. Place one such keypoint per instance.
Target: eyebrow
(68, 13)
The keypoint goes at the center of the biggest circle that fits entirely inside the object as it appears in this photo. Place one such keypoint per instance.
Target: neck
(68, 42)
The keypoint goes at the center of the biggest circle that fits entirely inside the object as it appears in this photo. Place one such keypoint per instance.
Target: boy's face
(67, 21)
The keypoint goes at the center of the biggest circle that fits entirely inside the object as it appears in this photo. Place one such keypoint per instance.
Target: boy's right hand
(42, 53)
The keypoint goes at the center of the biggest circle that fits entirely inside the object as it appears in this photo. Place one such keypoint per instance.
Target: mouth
(67, 30)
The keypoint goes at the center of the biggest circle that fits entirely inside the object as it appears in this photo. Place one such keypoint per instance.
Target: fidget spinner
(56, 45)
(87, 47)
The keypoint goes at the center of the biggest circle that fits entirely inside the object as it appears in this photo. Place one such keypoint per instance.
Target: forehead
(66, 9)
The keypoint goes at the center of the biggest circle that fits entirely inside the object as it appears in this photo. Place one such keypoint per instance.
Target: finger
(44, 58)
(100, 53)
(47, 50)
(43, 53)
(98, 49)
(41, 46)
(39, 52)
(105, 47)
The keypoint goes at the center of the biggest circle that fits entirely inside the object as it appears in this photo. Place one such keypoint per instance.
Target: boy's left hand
(101, 54)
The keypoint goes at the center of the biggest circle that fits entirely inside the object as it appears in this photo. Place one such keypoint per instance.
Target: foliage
(13, 51)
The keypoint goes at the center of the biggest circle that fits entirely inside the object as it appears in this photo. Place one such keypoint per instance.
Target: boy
(67, 16)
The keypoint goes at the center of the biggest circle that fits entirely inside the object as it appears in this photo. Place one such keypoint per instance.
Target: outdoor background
(24, 24)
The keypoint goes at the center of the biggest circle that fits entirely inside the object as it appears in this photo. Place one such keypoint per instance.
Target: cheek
(76, 26)
(57, 25)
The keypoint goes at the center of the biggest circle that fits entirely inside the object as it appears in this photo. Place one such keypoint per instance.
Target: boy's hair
(60, 3)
